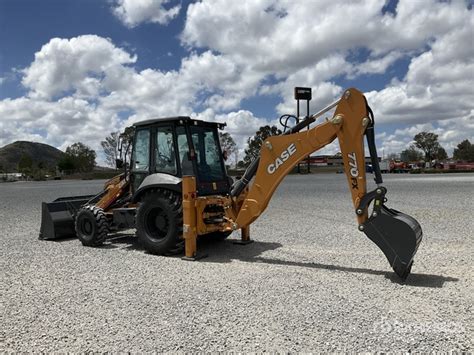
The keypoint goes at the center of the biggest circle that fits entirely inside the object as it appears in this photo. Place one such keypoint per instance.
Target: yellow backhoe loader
(177, 189)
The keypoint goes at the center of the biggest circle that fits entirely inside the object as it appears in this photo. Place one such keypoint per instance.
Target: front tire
(160, 222)
(91, 226)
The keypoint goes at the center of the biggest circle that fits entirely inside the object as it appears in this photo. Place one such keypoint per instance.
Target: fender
(158, 180)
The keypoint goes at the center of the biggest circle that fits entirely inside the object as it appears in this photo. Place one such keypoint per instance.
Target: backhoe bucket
(398, 235)
(57, 217)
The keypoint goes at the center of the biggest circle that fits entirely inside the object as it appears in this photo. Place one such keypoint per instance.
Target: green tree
(228, 144)
(127, 134)
(66, 163)
(440, 154)
(82, 156)
(25, 165)
(254, 143)
(428, 143)
(411, 154)
(127, 139)
(464, 151)
(110, 146)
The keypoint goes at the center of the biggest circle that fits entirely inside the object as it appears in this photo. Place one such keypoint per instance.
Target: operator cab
(180, 146)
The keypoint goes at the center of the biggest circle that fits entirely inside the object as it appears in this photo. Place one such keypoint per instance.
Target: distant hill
(11, 154)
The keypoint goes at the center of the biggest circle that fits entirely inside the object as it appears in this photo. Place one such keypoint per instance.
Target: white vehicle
(384, 166)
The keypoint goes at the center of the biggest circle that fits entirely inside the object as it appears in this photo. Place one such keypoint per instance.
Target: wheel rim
(87, 227)
(157, 223)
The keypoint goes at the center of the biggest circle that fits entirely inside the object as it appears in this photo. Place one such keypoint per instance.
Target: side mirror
(225, 155)
(119, 163)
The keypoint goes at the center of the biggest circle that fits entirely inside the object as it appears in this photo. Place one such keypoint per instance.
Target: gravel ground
(310, 282)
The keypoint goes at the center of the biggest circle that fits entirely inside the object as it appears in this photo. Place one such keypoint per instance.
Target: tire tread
(173, 200)
(102, 224)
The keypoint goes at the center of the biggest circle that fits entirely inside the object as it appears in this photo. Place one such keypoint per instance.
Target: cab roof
(177, 118)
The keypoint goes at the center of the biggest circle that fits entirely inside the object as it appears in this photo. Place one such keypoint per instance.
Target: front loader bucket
(57, 217)
(398, 235)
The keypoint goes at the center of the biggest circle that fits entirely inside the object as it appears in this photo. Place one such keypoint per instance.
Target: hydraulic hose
(370, 135)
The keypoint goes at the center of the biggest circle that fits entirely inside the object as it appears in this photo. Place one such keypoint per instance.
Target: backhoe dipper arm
(398, 235)
(279, 154)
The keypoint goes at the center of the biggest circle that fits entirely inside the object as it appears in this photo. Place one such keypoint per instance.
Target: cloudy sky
(75, 70)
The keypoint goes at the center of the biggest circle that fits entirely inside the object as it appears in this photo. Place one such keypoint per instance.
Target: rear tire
(91, 226)
(160, 222)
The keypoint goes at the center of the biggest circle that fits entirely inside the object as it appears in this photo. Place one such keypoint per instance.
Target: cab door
(211, 174)
(165, 158)
(140, 164)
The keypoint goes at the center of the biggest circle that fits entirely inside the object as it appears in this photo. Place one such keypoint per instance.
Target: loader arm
(395, 233)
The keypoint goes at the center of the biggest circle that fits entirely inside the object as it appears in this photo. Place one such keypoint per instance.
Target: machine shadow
(226, 252)
(125, 241)
(62, 239)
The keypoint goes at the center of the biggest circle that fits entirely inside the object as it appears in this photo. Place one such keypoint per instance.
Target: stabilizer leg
(245, 236)
(189, 219)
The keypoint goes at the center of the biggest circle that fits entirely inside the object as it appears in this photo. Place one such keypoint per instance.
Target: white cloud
(450, 133)
(277, 38)
(240, 125)
(67, 64)
(84, 104)
(437, 86)
(316, 77)
(60, 122)
(377, 65)
(250, 48)
(134, 12)
(203, 80)
(282, 36)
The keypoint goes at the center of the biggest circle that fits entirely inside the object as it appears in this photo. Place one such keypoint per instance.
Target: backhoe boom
(397, 235)
(280, 154)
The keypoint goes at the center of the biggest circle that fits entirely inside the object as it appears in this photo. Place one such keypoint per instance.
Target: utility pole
(302, 93)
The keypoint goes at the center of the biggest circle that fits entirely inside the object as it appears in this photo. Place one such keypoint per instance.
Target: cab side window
(209, 164)
(165, 156)
(183, 147)
(141, 153)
